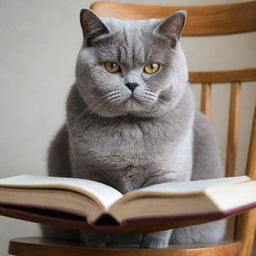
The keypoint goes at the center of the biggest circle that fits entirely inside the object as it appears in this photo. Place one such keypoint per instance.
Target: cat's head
(132, 68)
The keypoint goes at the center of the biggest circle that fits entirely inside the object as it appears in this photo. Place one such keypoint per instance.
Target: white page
(230, 197)
(196, 186)
(99, 192)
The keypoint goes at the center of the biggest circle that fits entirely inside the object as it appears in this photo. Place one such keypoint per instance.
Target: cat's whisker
(151, 94)
(110, 94)
(148, 98)
(114, 97)
(91, 108)
(81, 115)
(155, 96)
(97, 108)
(159, 102)
(111, 99)
(100, 99)
(97, 105)
(155, 107)
(101, 107)
(162, 101)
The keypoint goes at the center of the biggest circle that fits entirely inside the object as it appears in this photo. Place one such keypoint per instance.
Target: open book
(86, 204)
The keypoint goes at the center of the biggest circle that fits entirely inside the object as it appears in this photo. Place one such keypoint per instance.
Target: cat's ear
(92, 25)
(173, 25)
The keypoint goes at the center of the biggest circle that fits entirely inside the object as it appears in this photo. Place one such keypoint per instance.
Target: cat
(132, 122)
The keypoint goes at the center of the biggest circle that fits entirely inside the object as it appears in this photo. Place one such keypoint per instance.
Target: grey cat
(131, 121)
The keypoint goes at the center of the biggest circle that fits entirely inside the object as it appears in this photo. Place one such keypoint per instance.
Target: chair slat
(223, 76)
(203, 20)
(251, 161)
(206, 100)
(245, 232)
(246, 223)
(234, 114)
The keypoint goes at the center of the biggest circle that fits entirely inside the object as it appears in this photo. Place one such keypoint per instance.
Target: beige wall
(39, 41)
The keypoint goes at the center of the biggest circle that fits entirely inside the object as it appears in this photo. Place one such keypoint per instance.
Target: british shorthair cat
(131, 121)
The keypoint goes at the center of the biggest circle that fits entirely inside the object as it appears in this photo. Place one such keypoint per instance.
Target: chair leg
(245, 232)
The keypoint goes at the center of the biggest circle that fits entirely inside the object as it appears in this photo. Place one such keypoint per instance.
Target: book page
(234, 196)
(102, 194)
(188, 187)
(188, 198)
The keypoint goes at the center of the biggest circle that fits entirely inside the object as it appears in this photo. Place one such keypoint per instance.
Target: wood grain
(206, 100)
(246, 223)
(251, 161)
(41, 247)
(233, 127)
(245, 232)
(223, 76)
(227, 18)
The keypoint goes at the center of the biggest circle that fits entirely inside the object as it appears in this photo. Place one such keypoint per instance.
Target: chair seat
(29, 246)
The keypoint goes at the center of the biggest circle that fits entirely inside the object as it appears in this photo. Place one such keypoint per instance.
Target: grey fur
(131, 140)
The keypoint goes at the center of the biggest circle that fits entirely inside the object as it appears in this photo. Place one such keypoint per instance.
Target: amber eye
(151, 68)
(112, 67)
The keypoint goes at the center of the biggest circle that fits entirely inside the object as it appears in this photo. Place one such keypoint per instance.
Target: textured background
(39, 43)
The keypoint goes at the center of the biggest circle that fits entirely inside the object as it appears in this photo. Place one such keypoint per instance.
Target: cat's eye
(151, 68)
(112, 67)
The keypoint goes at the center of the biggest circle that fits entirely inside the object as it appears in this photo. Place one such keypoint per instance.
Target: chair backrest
(207, 20)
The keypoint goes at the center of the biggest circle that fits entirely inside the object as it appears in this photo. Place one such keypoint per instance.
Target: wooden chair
(202, 21)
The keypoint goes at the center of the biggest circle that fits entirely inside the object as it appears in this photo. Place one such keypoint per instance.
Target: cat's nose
(131, 86)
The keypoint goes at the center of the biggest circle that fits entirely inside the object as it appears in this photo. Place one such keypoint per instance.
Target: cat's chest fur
(128, 153)
(118, 144)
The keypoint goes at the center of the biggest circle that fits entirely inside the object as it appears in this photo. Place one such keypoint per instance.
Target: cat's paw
(156, 240)
(98, 240)
(128, 240)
